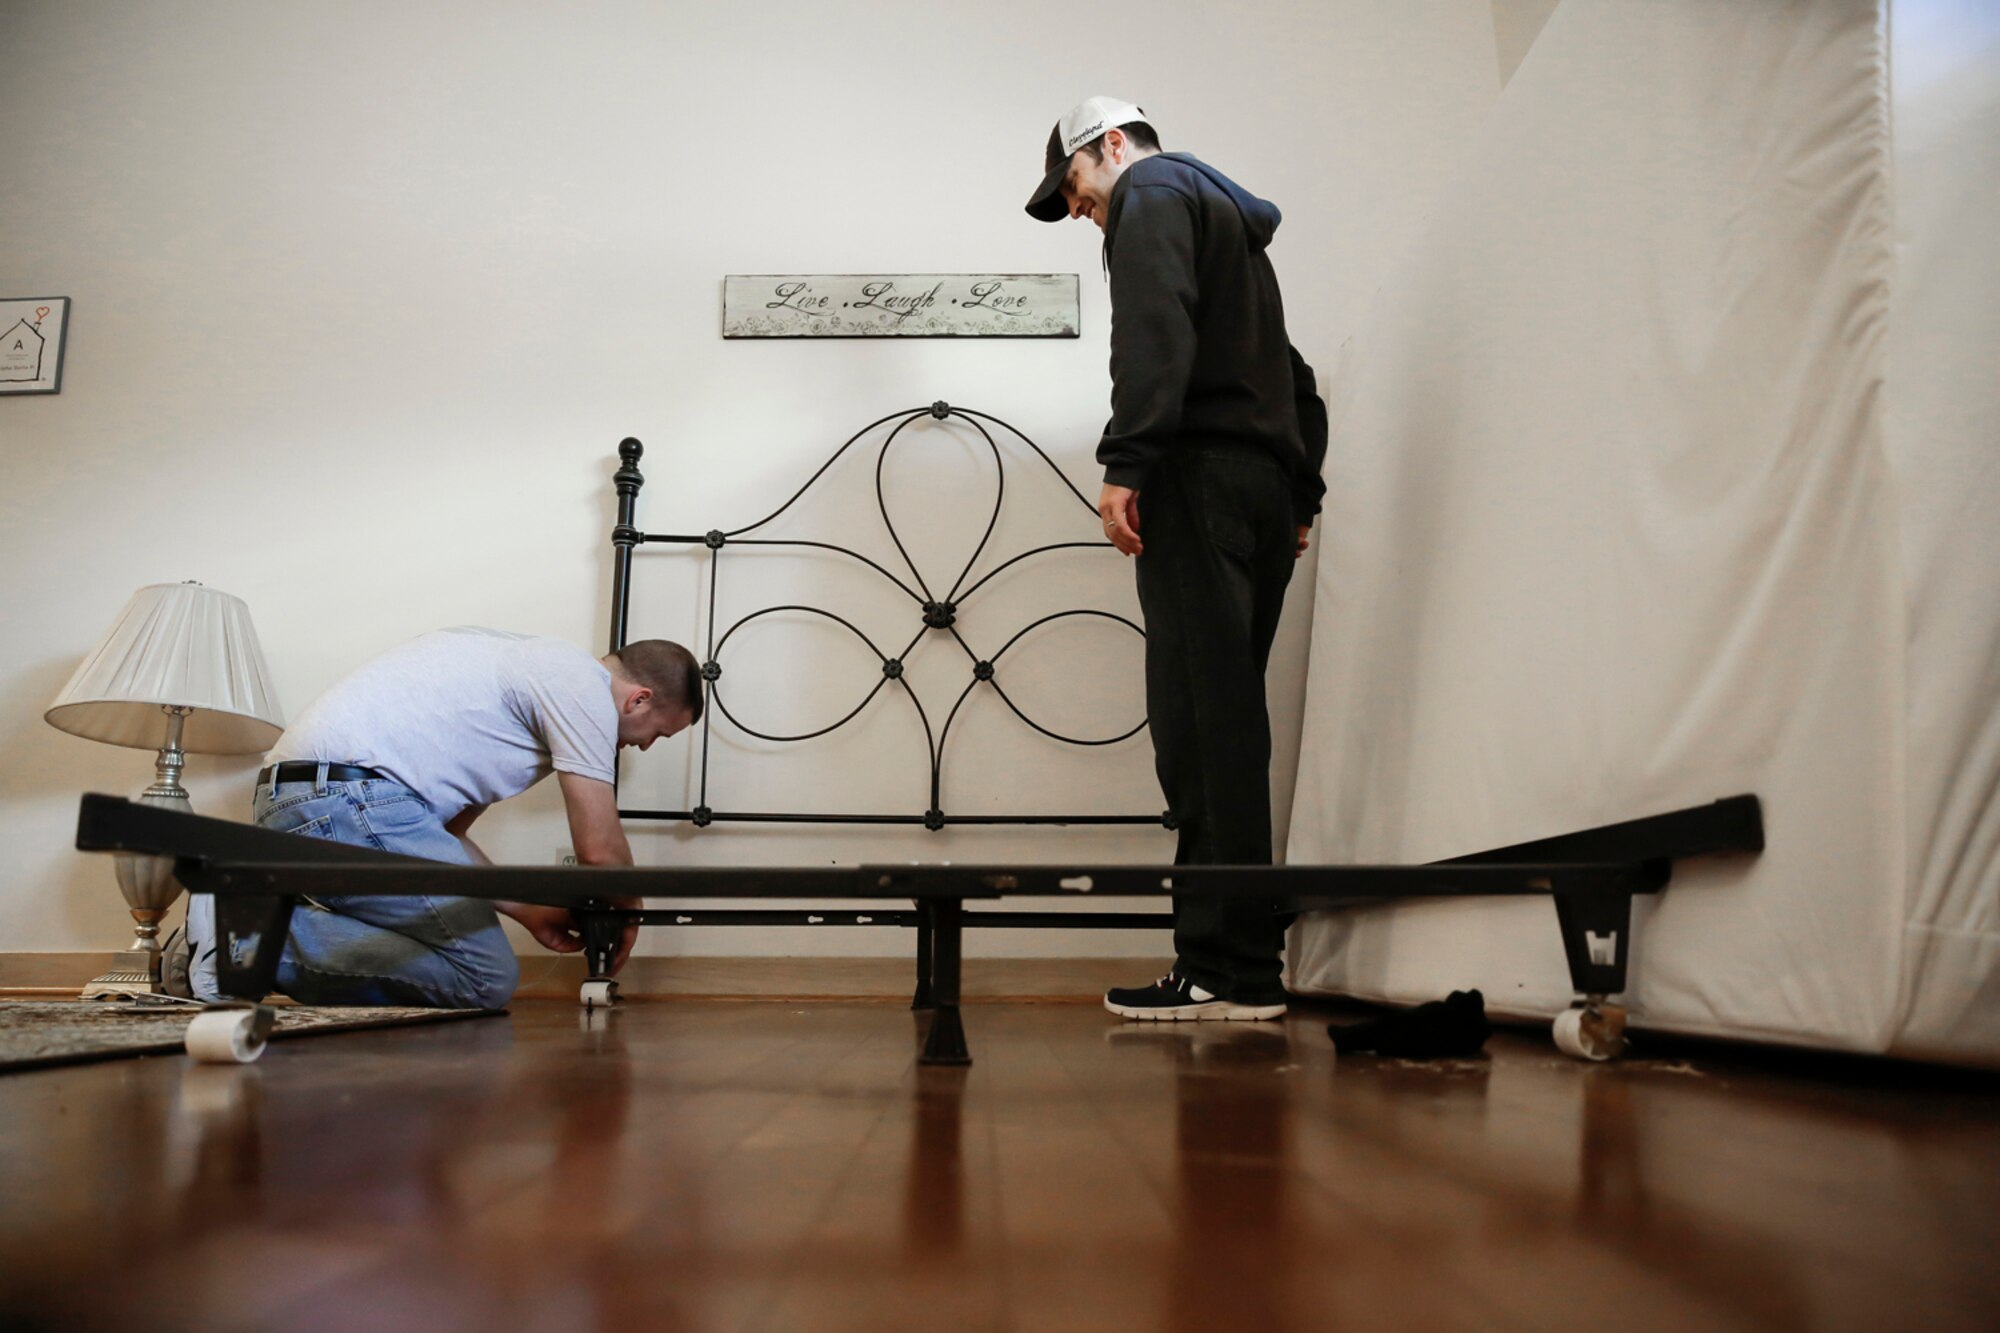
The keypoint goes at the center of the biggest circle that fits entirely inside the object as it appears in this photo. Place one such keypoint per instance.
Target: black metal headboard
(940, 613)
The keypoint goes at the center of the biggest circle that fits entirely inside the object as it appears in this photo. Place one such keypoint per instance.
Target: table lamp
(180, 671)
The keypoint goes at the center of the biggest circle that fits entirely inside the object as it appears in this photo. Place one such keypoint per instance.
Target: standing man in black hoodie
(1216, 424)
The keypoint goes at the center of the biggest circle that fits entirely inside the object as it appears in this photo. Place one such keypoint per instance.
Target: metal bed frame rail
(257, 877)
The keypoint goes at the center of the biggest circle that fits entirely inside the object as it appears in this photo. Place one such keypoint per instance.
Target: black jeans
(1219, 549)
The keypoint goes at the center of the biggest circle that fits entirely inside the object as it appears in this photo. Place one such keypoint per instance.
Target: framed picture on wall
(32, 331)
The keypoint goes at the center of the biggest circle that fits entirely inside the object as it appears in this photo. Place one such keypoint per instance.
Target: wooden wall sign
(900, 305)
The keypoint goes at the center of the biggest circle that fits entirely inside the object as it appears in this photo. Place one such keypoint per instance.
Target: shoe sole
(1212, 1011)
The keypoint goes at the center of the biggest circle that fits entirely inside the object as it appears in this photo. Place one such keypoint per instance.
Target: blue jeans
(441, 952)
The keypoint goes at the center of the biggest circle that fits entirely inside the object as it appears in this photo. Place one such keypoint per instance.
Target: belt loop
(319, 779)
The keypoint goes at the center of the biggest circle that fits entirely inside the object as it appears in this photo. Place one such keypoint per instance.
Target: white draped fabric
(1943, 425)
(1632, 506)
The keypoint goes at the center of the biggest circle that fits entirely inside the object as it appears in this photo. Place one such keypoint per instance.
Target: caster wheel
(229, 1036)
(1591, 1034)
(599, 994)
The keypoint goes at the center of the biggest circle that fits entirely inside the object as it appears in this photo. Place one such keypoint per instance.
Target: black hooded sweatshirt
(1199, 353)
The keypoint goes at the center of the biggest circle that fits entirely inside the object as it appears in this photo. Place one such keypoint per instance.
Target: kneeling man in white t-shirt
(404, 755)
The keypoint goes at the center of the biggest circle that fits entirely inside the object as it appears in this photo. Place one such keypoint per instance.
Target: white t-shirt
(465, 716)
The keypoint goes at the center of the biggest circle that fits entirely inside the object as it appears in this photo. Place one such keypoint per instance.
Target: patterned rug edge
(305, 1021)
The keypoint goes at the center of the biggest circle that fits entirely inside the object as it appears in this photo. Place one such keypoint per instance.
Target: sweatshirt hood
(1260, 216)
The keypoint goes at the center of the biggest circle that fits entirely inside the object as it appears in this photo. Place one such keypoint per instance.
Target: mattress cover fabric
(1624, 515)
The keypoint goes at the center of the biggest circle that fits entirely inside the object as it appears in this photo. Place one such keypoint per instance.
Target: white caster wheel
(1591, 1034)
(599, 994)
(229, 1036)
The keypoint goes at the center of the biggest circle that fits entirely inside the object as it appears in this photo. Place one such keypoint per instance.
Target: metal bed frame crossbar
(258, 876)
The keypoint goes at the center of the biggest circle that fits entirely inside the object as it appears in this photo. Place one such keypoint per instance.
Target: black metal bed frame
(1645, 846)
(257, 875)
(939, 614)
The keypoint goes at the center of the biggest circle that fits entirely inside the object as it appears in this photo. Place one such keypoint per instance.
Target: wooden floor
(778, 1165)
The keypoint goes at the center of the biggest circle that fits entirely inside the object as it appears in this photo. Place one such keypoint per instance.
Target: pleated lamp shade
(175, 644)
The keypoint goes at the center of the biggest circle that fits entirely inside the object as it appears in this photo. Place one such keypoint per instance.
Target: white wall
(364, 296)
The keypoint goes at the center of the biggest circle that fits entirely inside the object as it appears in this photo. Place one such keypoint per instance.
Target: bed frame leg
(250, 939)
(603, 931)
(1596, 934)
(924, 998)
(946, 1043)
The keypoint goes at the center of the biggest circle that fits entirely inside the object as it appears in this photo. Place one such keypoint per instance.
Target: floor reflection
(729, 1165)
(934, 1184)
(1232, 1207)
(1611, 1173)
(216, 1133)
(1615, 1201)
(1551, 1160)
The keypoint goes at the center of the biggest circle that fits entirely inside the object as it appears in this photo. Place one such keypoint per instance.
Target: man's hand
(1305, 540)
(1118, 506)
(599, 837)
(554, 928)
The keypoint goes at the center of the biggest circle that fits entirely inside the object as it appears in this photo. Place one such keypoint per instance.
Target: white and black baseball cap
(1085, 121)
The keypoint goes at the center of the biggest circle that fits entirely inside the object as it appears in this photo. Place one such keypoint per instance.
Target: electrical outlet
(565, 857)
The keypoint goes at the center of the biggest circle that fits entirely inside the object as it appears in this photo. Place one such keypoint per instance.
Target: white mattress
(1666, 470)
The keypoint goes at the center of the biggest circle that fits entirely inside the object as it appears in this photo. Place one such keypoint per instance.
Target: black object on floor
(1453, 1026)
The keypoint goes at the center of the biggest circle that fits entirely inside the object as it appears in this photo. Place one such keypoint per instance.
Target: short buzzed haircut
(665, 668)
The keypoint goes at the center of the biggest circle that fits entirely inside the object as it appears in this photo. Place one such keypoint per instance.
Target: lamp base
(133, 972)
(148, 882)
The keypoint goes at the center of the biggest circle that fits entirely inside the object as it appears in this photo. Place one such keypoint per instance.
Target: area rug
(34, 1033)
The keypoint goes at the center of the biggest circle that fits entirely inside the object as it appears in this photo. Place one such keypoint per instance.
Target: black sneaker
(1175, 999)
